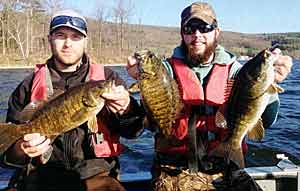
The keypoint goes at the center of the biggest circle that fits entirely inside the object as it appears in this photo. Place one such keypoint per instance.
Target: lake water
(283, 137)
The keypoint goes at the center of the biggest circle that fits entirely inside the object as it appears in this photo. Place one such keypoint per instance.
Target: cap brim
(197, 17)
(69, 26)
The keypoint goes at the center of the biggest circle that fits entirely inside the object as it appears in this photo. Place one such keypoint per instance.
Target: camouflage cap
(68, 18)
(199, 10)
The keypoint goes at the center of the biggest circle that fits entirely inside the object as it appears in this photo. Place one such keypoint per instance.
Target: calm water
(283, 137)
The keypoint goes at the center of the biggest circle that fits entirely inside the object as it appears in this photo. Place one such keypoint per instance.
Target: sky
(250, 16)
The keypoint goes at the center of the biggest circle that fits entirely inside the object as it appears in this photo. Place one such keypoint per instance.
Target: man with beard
(201, 62)
(78, 159)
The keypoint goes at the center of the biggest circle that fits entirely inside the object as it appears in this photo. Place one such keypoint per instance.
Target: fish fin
(93, 124)
(275, 88)
(220, 119)
(278, 88)
(230, 153)
(257, 132)
(134, 88)
(29, 110)
(56, 93)
(89, 100)
(9, 134)
(178, 104)
(228, 89)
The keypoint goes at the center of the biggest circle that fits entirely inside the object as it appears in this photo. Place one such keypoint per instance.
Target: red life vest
(42, 89)
(211, 97)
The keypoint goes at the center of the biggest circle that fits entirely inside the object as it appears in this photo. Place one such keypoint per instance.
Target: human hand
(282, 65)
(34, 144)
(132, 67)
(117, 100)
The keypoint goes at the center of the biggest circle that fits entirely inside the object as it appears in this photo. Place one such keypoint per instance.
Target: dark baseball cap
(68, 18)
(199, 10)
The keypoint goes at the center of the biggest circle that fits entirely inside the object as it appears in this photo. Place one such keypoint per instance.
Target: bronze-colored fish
(159, 91)
(65, 112)
(253, 86)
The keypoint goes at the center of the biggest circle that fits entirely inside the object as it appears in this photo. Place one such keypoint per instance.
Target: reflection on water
(283, 137)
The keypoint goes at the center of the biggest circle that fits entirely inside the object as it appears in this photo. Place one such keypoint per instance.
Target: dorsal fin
(257, 132)
(220, 119)
(228, 90)
(29, 110)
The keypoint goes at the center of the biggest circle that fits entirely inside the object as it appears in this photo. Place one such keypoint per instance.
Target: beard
(204, 57)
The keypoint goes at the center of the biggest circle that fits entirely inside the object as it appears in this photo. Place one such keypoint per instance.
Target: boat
(281, 177)
(285, 176)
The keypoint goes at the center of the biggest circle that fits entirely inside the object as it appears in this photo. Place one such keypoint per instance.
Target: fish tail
(230, 153)
(8, 132)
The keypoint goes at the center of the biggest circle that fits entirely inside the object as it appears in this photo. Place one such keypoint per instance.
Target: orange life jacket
(42, 90)
(210, 97)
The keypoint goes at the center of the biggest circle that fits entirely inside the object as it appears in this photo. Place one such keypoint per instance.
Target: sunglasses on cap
(202, 27)
(74, 21)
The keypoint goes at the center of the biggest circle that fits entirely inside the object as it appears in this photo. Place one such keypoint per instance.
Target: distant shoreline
(15, 67)
(29, 67)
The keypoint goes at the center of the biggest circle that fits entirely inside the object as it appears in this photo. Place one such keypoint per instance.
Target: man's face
(200, 40)
(67, 45)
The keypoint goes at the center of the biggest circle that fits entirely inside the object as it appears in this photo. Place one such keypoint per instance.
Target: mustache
(198, 41)
(202, 58)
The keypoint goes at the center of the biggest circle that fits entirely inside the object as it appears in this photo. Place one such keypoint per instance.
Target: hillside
(113, 43)
(163, 39)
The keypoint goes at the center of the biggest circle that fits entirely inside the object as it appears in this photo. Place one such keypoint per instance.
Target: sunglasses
(74, 21)
(191, 28)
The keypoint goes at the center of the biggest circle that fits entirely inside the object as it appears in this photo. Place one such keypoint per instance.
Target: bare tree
(52, 5)
(6, 10)
(20, 29)
(122, 11)
(100, 20)
(16, 32)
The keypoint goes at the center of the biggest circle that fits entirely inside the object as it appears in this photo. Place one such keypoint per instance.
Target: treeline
(25, 24)
(289, 42)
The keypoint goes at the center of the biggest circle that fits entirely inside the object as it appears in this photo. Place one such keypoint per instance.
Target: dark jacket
(72, 151)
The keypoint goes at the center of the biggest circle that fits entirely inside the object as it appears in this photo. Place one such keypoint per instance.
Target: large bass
(63, 113)
(253, 86)
(159, 91)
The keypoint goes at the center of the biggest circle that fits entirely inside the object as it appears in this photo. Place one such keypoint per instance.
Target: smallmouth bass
(67, 111)
(159, 91)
